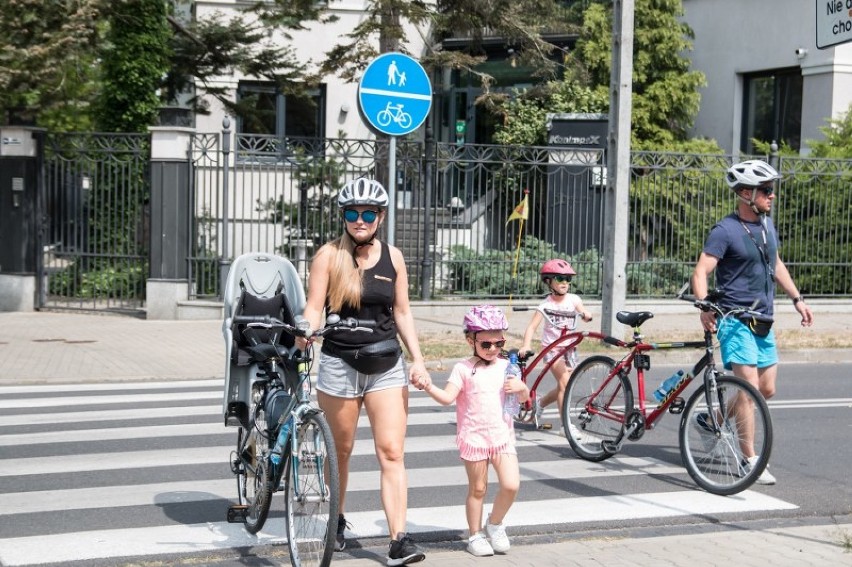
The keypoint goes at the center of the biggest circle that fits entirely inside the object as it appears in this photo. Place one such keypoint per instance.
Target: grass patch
(442, 349)
(844, 539)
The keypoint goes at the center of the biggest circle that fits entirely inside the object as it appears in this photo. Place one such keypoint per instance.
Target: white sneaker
(765, 477)
(497, 536)
(478, 546)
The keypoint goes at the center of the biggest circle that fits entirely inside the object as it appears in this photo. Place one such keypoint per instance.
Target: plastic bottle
(283, 434)
(668, 385)
(511, 405)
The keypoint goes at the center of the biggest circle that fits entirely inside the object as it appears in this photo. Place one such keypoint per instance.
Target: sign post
(395, 96)
(833, 22)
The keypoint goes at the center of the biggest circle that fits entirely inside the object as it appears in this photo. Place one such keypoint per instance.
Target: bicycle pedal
(677, 405)
(545, 426)
(237, 514)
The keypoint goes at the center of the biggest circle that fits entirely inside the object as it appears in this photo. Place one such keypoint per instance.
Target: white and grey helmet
(362, 191)
(751, 173)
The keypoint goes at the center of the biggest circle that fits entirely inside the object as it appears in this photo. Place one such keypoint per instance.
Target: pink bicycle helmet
(556, 267)
(485, 318)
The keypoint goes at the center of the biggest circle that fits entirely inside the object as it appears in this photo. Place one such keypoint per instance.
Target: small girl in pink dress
(485, 434)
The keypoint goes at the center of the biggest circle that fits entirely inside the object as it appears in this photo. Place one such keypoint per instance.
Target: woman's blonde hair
(344, 276)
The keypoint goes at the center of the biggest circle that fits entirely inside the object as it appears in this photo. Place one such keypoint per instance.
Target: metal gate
(94, 222)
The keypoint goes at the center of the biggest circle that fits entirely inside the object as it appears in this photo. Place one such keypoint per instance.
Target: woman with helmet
(358, 275)
(478, 387)
(742, 249)
(562, 310)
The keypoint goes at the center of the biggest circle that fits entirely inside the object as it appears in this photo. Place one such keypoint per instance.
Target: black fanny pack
(759, 324)
(374, 358)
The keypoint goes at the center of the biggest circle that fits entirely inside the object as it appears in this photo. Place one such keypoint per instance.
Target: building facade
(766, 78)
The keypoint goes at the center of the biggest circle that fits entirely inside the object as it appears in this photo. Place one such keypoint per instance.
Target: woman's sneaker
(765, 477)
(478, 546)
(403, 551)
(340, 540)
(497, 536)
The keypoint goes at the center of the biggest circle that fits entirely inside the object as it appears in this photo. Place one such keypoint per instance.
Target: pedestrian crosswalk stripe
(102, 544)
(576, 510)
(127, 415)
(213, 384)
(225, 489)
(106, 399)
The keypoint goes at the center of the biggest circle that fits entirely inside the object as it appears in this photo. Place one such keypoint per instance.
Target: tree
(203, 51)
(665, 91)
(46, 60)
(838, 138)
(135, 58)
(517, 22)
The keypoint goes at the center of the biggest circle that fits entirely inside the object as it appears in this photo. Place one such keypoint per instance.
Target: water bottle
(511, 405)
(283, 434)
(668, 385)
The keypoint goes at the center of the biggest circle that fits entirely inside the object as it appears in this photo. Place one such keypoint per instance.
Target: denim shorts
(338, 379)
(740, 346)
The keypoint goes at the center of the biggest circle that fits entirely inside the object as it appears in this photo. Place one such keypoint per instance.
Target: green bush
(495, 273)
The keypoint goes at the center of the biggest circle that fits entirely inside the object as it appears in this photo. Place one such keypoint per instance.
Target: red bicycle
(601, 408)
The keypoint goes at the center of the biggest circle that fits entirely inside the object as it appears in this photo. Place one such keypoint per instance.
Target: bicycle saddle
(634, 319)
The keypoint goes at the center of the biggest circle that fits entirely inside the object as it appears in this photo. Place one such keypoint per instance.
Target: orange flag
(520, 211)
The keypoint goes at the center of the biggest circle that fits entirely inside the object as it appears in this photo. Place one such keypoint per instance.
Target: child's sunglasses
(369, 217)
(562, 279)
(487, 345)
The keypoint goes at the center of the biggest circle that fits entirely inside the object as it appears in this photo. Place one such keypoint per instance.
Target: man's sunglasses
(487, 345)
(562, 279)
(369, 217)
(767, 190)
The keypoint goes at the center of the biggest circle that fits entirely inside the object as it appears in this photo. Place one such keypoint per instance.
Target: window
(276, 121)
(772, 109)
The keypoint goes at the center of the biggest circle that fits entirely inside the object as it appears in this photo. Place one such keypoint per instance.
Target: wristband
(797, 299)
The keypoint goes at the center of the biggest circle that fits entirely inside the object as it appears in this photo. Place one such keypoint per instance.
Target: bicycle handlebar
(710, 303)
(333, 323)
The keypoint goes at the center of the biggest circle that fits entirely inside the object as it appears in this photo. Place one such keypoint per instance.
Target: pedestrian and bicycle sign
(395, 94)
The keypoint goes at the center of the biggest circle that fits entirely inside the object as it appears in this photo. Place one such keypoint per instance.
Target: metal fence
(94, 233)
(262, 193)
(453, 202)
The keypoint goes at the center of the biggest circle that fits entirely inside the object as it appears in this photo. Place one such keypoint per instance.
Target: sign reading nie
(834, 22)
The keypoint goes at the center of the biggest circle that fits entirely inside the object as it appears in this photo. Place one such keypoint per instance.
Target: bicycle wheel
(313, 493)
(594, 407)
(254, 485)
(714, 459)
(383, 118)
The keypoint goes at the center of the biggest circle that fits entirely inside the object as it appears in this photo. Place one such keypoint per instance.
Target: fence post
(426, 264)
(774, 155)
(168, 282)
(225, 258)
(21, 149)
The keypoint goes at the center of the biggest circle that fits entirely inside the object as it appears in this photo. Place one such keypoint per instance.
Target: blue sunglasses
(369, 217)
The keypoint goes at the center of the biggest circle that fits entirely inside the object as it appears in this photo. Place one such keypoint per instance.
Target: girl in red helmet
(563, 309)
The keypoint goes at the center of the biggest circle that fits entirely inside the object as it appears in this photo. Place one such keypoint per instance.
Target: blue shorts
(740, 346)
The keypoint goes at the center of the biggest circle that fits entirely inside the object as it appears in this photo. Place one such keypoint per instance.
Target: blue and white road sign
(395, 94)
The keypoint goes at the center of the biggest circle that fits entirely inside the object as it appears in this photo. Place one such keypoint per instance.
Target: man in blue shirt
(742, 249)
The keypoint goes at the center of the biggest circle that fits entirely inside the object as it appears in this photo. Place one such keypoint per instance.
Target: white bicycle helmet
(362, 191)
(751, 173)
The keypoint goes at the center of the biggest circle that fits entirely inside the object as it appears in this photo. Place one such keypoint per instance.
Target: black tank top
(378, 293)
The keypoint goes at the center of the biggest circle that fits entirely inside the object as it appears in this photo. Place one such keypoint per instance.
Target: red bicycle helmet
(556, 267)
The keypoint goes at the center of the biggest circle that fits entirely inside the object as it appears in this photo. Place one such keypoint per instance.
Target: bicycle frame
(638, 350)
